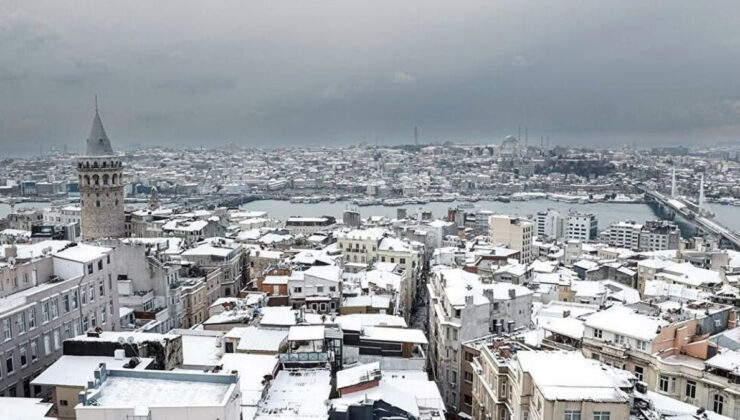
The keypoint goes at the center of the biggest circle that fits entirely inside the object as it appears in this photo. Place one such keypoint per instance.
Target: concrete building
(550, 224)
(157, 395)
(228, 255)
(513, 232)
(100, 176)
(659, 235)
(624, 234)
(510, 384)
(462, 308)
(581, 226)
(51, 291)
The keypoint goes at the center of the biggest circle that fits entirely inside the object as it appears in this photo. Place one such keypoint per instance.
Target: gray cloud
(325, 72)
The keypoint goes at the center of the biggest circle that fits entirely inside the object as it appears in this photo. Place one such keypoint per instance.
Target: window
(101, 289)
(691, 389)
(468, 399)
(54, 308)
(572, 415)
(639, 373)
(75, 299)
(7, 332)
(45, 311)
(9, 368)
(663, 383)
(90, 266)
(65, 303)
(21, 321)
(598, 333)
(468, 376)
(103, 315)
(47, 344)
(34, 350)
(100, 265)
(25, 278)
(32, 318)
(641, 345)
(23, 350)
(57, 341)
(601, 415)
(619, 338)
(83, 296)
(297, 290)
(93, 320)
(319, 289)
(718, 403)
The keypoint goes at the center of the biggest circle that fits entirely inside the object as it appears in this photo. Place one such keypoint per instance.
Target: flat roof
(24, 408)
(261, 339)
(75, 371)
(306, 333)
(155, 392)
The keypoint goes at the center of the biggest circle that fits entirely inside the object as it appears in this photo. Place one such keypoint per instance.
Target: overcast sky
(275, 72)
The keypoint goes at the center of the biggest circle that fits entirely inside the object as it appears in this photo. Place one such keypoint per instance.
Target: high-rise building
(625, 234)
(100, 175)
(513, 232)
(659, 235)
(549, 224)
(582, 226)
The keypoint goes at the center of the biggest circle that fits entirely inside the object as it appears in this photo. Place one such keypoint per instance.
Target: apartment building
(659, 235)
(668, 350)
(581, 226)
(51, 291)
(625, 234)
(228, 255)
(462, 308)
(513, 232)
(360, 246)
(511, 384)
(550, 224)
(318, 288)
(308, 225)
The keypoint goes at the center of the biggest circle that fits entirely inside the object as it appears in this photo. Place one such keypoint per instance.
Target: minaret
(673, 183)
(701, 194)
(100, 175)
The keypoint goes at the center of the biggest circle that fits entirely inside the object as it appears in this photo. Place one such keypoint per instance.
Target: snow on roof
(34, 250)
(415, 395)
(358, 374)
(297, 394)
(306, 333)
(356, 322)
(361, 234)
(381, 279)
(119, 391)
(252, 370)
(625, 321)
(373, 301)
(255, 339)
(24, 408)
(185, 225)
(569, 327)
(394, 244)
(138, 337)
(398, 335)
(552, 373)
(677, 410)
(201, 350)
(83, 253)
(727, 360)
(75, 371)
(275, 280)
(325, 272)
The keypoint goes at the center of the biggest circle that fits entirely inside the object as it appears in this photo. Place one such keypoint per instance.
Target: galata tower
(101, 186)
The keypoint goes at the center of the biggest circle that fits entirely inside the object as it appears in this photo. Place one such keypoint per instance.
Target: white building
(550, 224)
(624, 234)
(582, 226)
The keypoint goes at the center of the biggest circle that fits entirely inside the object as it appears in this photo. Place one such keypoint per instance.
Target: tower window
(97, 204)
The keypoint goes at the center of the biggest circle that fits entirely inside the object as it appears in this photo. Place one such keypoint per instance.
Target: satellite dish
(130, 339)
(121, 340)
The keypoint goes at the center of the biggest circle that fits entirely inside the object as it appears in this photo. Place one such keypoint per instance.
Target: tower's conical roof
(98, 143)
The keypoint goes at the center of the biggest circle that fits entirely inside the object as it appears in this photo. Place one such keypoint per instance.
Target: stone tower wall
(101, 197)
